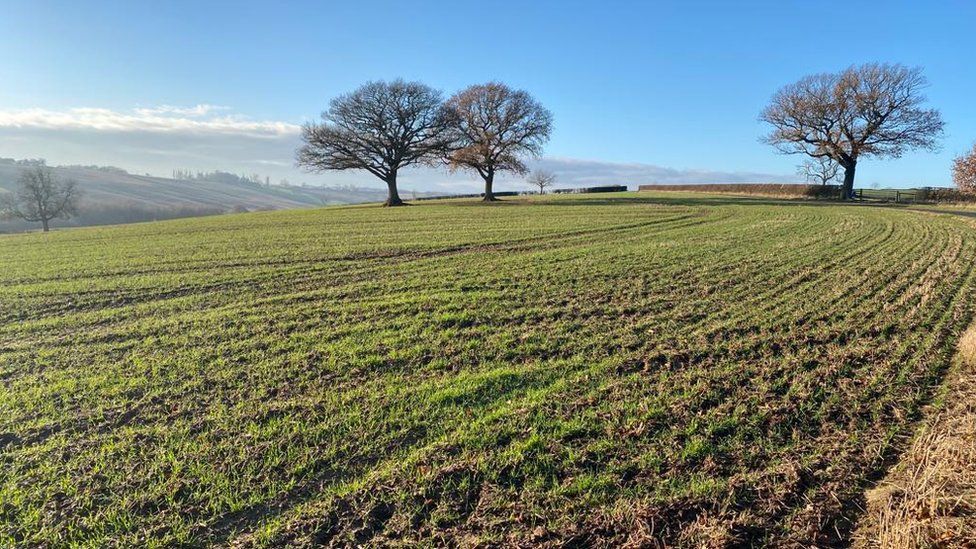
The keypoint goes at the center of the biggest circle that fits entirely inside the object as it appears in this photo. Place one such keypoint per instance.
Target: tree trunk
(44, 223)
(848, 187)
(489, 195)
(393, 197)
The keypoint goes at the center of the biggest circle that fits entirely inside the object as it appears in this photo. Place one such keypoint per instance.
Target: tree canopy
(821, 170)
(964, 171)
(380, 128)
(41, 197)
(869, 110)
(494, 128)
(542, 179)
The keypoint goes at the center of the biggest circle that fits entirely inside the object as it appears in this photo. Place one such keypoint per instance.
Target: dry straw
(929, 499)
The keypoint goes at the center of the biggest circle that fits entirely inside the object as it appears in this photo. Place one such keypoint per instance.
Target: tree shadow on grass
(962, 213)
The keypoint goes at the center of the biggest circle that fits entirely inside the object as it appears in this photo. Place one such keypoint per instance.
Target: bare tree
(381, 127)
(494, 128)
(542, 179)
(870, 110)
(821, 169)
(41, 197)
(964, 171)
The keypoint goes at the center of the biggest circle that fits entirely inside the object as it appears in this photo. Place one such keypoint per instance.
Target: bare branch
(870, 110)
(542, 179)
(380, 128)
(41, 197)
(819, 169)
(494, 128)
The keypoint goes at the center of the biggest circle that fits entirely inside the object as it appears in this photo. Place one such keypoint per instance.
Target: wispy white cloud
(202, 109)
(199, 119)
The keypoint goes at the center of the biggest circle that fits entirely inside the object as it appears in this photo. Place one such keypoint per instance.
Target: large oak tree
(381, 127)
(494, 128)
(868, 110)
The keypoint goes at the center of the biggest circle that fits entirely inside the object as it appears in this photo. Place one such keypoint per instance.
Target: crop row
(569, 369)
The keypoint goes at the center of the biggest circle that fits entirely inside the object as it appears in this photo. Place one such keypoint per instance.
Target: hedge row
(603, 189)
(774, 189)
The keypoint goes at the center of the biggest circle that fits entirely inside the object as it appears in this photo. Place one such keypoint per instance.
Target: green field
(571, 370)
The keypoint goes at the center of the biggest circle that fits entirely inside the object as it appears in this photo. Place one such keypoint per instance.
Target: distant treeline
(26, 162)
(219, 176)
(34, 162)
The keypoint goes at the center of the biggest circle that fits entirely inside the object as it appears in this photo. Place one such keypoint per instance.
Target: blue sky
(638, 89)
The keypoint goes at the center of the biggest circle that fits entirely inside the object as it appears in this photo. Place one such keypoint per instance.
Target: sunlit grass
(565, 369)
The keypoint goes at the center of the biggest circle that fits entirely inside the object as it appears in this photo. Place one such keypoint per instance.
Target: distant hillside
(114, 196)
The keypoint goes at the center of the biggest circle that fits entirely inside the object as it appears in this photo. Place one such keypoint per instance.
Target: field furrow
(570, 370)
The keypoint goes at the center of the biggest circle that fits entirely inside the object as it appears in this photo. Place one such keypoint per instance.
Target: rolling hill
(113, 196)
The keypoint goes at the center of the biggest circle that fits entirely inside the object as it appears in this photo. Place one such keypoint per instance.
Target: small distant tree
(542, 179)
(821, 170)
(868, 110)
(493, 129)
(41, 197)
(380, 128)
(964, 171)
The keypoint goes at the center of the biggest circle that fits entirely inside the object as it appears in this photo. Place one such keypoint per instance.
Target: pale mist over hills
(112, 195)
